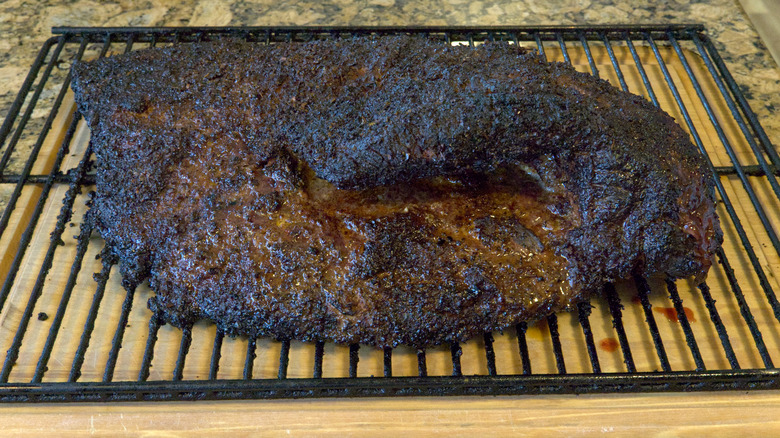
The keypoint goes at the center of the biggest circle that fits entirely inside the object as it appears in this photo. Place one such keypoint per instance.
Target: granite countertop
(26, 24)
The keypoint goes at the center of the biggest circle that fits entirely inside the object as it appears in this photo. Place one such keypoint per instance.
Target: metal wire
(643, 291)
(155, 322)
(615, 64)
(354, 357)
(249, 359)
(722, 332)
(522, 345)
(686, 325)
(284, 359)
(583, 312)
(387, 357)
(319, 351)
(89, 325)
(490, 354)
(216, 354)
(552, 324)
(422, 364)
(184, 348)
(455, 352)
(616, 309)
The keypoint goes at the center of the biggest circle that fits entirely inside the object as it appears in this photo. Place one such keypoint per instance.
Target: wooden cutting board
(669, 415)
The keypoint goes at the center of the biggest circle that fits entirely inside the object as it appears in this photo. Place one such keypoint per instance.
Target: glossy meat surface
(383, 191)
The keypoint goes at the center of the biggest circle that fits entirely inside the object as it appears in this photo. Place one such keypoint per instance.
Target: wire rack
(71, 332)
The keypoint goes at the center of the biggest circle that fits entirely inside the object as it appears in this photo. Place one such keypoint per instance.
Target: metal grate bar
(586, 47)
(439, 385)
(284, 359)
(690, 339)
(81, 249)
(641, 69)
(184, 348)
(730, 150)
(155, 322)
(614, 60)
(643, 290)
(583, 312)
(422, 367)
(490, 354)
(616, 309)
(175, 35)
(187, 32)
(565, 52)
(456, 352)
(744, 309)
(522, 346)
(119, 333)
(89, 325)
(719, 327)
(749, 170)
(26, 117)
(216, 355)
(699, 38)
(768, 290)
(319, 352)
(539, 45)
(552, 323)
(249, 359)
(354, 357)
(129, 41)
(388, 362)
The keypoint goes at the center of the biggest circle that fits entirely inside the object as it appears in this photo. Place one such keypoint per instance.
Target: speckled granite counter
(25, 24)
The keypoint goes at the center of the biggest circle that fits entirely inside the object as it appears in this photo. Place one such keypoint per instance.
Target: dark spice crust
(383, 191)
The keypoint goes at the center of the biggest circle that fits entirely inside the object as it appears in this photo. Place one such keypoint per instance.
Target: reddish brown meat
(383, 191)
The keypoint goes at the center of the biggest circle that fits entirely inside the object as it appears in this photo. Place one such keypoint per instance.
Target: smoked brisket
(383, 190)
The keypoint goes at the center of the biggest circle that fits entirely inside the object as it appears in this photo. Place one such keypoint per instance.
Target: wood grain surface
(697, 414)
(725, 414)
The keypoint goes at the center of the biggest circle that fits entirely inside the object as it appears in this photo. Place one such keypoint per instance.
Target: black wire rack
(101, 343)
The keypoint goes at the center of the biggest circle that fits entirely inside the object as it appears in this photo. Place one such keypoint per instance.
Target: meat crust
(383, 190)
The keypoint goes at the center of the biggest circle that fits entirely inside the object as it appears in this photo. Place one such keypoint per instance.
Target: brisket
(383, 190)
